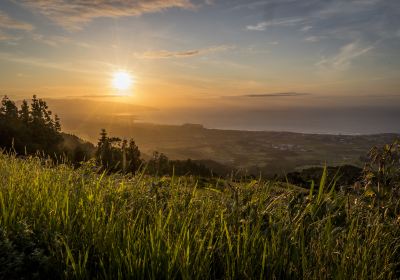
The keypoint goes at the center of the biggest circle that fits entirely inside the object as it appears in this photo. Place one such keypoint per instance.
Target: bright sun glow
(122, 80)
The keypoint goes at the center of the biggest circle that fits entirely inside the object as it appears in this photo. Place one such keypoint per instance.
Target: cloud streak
(56, 41)
(72, 14)
(164, 54)
(365, 20)
(261, 26)
(271, 95)
(313, 39)
(6, 37)
(345, 57)
(306, 28)
(277, 94)
(6, 22)
(43, 63)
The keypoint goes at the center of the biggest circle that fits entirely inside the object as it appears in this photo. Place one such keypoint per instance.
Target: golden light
(122, 80)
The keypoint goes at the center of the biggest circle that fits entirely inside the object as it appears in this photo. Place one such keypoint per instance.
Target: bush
(382, 172)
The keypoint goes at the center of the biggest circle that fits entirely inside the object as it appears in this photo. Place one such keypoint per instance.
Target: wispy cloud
(28, 60)
(72, 14)
(56, 41)
(8, 25)
(261, 26)
(313, 39)
(347, 54)
(95, 96)
(251, 5)
(306, 28)
(6, 22)
(334, 8)
(3, 36)
(7, 37)
(163, 54)
(277, 94)
(365, 20)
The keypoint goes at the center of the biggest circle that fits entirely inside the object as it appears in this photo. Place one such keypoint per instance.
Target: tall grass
(56, 222)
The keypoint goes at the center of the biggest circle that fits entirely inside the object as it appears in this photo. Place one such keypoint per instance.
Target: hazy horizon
(321, 120)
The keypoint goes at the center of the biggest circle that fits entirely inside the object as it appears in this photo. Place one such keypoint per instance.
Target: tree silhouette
(24, 114)
(30, 129)
(116, 155)
(133, 156)
(161, 165)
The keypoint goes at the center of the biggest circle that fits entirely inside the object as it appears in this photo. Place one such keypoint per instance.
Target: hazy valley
(254, 151)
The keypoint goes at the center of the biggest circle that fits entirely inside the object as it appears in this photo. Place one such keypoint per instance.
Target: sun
(122, 80)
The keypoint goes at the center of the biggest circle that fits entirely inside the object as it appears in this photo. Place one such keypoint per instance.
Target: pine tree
(103, 153)
(8, 109)
(36, 110)
(133, 157)
(115, 154)
(57, 124)
(24, 114)
(9, 126)
(30, 129)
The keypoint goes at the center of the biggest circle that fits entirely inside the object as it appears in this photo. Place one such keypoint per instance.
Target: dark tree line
(345, 175)
(77, 150)
(29, 129)
(33, 129)
(115, 154)
(161, 165)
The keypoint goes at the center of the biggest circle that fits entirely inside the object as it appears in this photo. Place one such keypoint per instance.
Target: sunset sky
(188, 53)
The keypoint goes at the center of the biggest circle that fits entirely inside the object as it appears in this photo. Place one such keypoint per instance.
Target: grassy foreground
(56, 222)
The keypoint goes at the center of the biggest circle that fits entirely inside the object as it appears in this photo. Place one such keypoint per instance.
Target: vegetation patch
(76, 223)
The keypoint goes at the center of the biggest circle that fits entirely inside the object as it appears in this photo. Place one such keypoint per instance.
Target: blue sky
(198, 53)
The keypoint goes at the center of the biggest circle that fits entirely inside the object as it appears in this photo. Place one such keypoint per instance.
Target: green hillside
(57, 222)
(264, 152)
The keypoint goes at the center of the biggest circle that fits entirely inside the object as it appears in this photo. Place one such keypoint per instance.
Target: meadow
(58, 222)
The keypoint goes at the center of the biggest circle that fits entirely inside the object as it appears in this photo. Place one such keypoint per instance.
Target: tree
(57, 123)
(24, 114)
(36, 110)
(103, 149)
(30, 129)
(8, 109)
(133, 157)
(382, 171)
(159, 164)
(44, 133)
(9, 124)
(115, 155)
